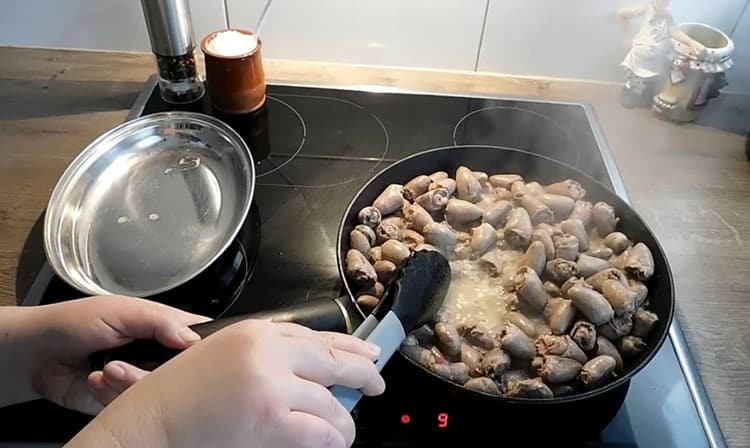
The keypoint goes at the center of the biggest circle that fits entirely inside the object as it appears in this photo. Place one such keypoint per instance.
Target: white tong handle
(388, 335)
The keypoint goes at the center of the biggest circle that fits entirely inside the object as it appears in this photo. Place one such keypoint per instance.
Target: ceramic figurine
(694, 79)
(648, 58)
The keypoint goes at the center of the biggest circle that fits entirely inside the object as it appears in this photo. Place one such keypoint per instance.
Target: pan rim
(93, 150)
(617, 383)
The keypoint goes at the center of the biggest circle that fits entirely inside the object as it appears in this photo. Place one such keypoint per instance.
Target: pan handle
(319, 314)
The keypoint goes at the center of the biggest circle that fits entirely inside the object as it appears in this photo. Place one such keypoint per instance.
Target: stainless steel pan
(149, 205)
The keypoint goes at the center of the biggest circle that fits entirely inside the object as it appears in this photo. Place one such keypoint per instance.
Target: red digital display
(406, 419)
(442, 420)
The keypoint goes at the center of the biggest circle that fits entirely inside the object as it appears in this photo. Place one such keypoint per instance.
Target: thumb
(136, 318)
(114, 379)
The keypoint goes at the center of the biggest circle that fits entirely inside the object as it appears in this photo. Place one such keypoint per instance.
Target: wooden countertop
(691, 183)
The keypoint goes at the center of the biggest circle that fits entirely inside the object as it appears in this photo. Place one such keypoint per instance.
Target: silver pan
(149, 205)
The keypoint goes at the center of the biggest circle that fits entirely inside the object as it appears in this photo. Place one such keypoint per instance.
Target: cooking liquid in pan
(475, 297)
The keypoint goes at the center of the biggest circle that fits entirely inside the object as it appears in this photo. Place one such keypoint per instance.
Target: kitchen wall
(90, 24)
(580, 38)
(739, 76)
(551, 38)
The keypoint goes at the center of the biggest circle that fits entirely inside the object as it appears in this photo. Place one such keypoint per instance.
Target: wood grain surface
(691, 183)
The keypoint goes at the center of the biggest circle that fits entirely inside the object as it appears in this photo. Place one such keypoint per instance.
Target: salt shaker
(170, 30)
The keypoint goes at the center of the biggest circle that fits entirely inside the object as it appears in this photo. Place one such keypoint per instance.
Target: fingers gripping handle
(319, 314)
(388, 335)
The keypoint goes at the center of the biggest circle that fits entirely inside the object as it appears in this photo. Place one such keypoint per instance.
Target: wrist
(19, 350)
(94, 434)
(122, 424)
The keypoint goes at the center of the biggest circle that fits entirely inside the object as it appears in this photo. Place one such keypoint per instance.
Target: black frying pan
(591, 410)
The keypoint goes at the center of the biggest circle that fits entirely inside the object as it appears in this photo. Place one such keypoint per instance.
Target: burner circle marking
(335, 184)
(301, 143)
(520, 109)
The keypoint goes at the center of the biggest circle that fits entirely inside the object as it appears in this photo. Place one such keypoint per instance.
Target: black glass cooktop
(314, 148)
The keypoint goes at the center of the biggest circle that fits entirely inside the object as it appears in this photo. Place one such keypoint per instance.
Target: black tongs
(412, 299)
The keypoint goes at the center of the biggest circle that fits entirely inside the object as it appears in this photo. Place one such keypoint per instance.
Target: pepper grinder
(170, 31)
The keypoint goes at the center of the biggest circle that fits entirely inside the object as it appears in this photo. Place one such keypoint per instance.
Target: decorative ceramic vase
(694, 81)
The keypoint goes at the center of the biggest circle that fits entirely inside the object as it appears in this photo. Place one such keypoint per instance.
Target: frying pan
(149, 205)
(561, 414)
(588, 411)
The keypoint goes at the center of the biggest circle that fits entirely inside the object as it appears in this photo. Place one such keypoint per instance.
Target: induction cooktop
(314, 148)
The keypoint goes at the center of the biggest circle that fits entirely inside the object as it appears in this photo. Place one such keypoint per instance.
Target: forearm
(98, 434)
(18, 345)
(128, 422)
(94, 435)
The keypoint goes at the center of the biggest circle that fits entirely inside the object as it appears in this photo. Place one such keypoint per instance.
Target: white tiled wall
(553, 38)
(90, 24)
(77, 24)
(721, 14)
(416, 33)
(580, 39)
(739, 76)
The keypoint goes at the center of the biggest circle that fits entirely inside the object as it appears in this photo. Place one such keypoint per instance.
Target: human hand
(59, 338)
(252, 384)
